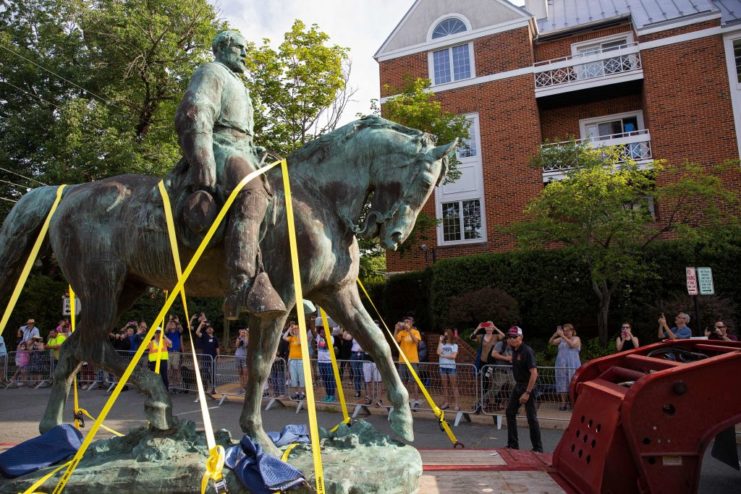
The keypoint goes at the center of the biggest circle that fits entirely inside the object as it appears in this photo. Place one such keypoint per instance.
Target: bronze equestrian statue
(110, 240)
(215, 125)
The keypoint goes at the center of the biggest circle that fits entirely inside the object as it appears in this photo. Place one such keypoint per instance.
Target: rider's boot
(250, 289)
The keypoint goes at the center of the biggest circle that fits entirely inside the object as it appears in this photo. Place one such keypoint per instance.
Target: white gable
(416, 26)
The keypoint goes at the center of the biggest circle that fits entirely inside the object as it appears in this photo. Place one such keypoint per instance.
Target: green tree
(299, 90)
(89, 87)
(415, 106)
(602, 208)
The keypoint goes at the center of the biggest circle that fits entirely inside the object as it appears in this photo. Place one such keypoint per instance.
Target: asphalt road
(21, 410)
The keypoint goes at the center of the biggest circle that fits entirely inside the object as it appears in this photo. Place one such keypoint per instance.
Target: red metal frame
(641, 423)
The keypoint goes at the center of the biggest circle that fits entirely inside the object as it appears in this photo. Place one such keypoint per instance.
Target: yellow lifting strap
(158, 320)
(78, 411)
(73, 322)
(40, 482)
(310, 402)
(215, 460)
(29, 262)
(336, 371)
(440, 414)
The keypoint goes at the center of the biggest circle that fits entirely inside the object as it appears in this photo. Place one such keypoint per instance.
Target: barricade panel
(29, 368)
(277, 379)
(3, 369)
(496, 383)
(183, 377)
(230, 375)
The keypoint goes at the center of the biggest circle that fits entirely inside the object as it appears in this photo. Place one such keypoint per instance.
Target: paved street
(21, 410)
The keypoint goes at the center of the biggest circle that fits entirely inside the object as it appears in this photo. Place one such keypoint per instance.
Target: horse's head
(400, 190)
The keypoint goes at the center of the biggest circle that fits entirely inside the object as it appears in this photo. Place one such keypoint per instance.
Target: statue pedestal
(355, 459)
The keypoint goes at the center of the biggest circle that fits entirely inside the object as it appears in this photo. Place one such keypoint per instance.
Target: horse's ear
(444, 150)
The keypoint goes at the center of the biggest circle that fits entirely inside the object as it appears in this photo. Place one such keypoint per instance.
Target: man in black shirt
(525, 372)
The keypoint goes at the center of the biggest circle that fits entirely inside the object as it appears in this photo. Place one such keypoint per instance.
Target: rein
(380, 219)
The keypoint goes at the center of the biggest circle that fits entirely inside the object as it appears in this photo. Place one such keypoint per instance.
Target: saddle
(194, 212)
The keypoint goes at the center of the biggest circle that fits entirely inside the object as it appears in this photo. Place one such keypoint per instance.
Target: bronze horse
(110, 240)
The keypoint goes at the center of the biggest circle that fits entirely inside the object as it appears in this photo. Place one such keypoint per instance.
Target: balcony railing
(570, 73)
(635, 146)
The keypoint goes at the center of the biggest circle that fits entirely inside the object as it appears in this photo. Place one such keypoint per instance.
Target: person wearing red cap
(525, 371)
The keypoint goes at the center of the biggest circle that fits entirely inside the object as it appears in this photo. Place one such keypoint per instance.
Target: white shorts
(370, 372)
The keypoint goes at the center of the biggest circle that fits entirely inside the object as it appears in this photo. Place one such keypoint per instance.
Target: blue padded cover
(58, 444)
(260, 472)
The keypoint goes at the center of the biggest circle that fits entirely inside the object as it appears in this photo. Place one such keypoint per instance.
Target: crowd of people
(507, 366)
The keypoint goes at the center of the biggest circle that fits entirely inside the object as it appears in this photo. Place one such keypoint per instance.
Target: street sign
(705, 281)
(65, 306)
(691, 281)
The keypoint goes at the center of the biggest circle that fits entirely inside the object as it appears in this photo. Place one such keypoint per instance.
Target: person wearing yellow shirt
(408, 338)
(158, 349)
(54, 342)
(295, 365)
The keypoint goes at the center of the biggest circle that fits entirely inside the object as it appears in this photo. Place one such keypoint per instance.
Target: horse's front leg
(345, 307)
(262, 346)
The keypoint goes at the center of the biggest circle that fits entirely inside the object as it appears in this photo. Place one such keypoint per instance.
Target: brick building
(660, 79)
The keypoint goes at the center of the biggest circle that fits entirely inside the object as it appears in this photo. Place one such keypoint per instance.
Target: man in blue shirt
(679, 331)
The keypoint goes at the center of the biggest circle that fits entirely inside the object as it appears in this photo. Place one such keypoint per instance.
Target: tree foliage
(602, 208)
(299, 90)
(89, 87)
(415, 106)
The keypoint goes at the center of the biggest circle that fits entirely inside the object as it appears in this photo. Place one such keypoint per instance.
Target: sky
(361, 25)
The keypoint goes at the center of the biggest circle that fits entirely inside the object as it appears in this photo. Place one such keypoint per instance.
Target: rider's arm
(194, 122)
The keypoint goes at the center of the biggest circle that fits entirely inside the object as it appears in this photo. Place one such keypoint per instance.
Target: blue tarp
(57, 445)
(291, 433)
(260, 472)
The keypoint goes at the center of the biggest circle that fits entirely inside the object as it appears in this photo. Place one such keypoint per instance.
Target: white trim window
(612, 126)
(453, 63)
(462, 220)
(737, 58)
(460, 205)
(626, 131)
(732, 43)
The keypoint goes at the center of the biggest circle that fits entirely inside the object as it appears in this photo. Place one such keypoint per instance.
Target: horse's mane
(317, 149)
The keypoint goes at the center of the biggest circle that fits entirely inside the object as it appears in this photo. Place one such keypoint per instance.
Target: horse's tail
(18, 234)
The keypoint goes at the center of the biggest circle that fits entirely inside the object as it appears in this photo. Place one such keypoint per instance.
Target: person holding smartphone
(567, 359)
(626, 340)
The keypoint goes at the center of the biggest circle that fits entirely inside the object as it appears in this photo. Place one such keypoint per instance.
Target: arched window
(448, 26)
(452, 63)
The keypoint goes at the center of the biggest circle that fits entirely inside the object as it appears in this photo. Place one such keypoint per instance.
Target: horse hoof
(401, 423)
(159, 415)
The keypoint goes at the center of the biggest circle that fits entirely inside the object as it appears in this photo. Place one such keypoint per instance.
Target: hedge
(553, 287)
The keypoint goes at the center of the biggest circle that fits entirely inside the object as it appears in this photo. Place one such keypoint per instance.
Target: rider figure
(215, 125)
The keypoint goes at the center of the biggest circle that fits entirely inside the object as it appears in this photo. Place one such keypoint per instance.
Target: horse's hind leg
(263, 343)
(345, 307)
(63, 376)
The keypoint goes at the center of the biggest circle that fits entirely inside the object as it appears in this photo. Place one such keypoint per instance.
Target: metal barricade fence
(496, 384)
(361, 385)
(231, 374)
(3, 369)
(29, 368)
(442, 384)
(181, 373)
